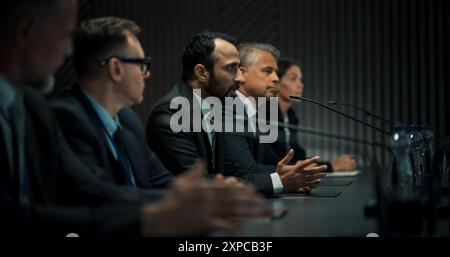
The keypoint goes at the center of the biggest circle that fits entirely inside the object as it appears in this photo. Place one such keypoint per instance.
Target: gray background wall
(387, 56)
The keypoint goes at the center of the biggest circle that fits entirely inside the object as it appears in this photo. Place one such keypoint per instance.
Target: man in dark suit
(210, 65)
(95, 116)
(178, 151)
(259, 66)
(44, 188)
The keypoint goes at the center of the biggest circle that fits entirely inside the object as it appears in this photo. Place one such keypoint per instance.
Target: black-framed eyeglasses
(144, 63)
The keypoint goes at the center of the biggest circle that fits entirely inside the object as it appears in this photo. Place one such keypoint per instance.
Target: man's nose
(239, 77)
(275, 78)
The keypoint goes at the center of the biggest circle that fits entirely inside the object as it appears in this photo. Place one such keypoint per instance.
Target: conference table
(335, 210)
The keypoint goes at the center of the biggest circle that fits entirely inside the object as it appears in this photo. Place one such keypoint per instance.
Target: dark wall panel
(167, 25)
(387, 56)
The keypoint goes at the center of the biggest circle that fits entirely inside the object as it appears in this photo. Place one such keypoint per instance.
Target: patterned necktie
(212, 137)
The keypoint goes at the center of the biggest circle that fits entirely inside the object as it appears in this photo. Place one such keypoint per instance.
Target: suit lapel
(5, 171)
(4, 162)
(219, 153)
(201, 137)
(103, 141)
(40, 172)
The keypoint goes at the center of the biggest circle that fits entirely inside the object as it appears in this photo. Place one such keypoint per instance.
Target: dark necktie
(287, 134)
(122, 156)
(213, 143)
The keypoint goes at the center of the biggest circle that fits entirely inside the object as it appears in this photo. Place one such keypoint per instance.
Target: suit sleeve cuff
(276, 182)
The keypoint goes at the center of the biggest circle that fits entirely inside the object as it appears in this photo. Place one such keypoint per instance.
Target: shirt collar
(7, 93)
(111, 124)
(205, 107)
(250, 106)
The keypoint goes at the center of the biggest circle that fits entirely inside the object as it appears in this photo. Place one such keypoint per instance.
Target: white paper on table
(349, 173)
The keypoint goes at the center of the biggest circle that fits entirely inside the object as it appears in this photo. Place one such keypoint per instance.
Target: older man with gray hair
(246, 153)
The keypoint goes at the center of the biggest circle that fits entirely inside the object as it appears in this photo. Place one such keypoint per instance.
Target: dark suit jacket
(179, 151)
(243, 159)
(278, 148)
(83, 132)
(64, 195)
(245, 156)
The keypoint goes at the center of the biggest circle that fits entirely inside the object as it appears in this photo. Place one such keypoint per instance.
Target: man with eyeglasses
(108, 137)
(95, 115)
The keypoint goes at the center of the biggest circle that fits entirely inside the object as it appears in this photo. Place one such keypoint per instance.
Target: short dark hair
(284, 64)
(98, 38)
(199, 49)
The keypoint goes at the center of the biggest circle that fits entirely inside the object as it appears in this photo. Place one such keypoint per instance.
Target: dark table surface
(342, 215)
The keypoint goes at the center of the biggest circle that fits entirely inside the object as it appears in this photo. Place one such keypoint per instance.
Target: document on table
(350, 173)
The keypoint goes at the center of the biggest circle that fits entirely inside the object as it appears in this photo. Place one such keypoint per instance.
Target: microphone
(366, 112)
(275, 124)
(388, 201)
(342, 113)
(316, 132)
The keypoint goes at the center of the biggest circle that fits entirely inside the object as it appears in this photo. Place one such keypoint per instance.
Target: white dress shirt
(250, 108)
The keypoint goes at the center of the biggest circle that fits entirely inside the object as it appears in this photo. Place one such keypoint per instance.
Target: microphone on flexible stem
(374, 209)
(341, 113)
(390, 211)
(331, 135)
(366, 112)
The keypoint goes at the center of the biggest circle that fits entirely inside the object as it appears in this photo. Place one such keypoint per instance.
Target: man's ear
(22, 30)
(200, 73)
(115, 70)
